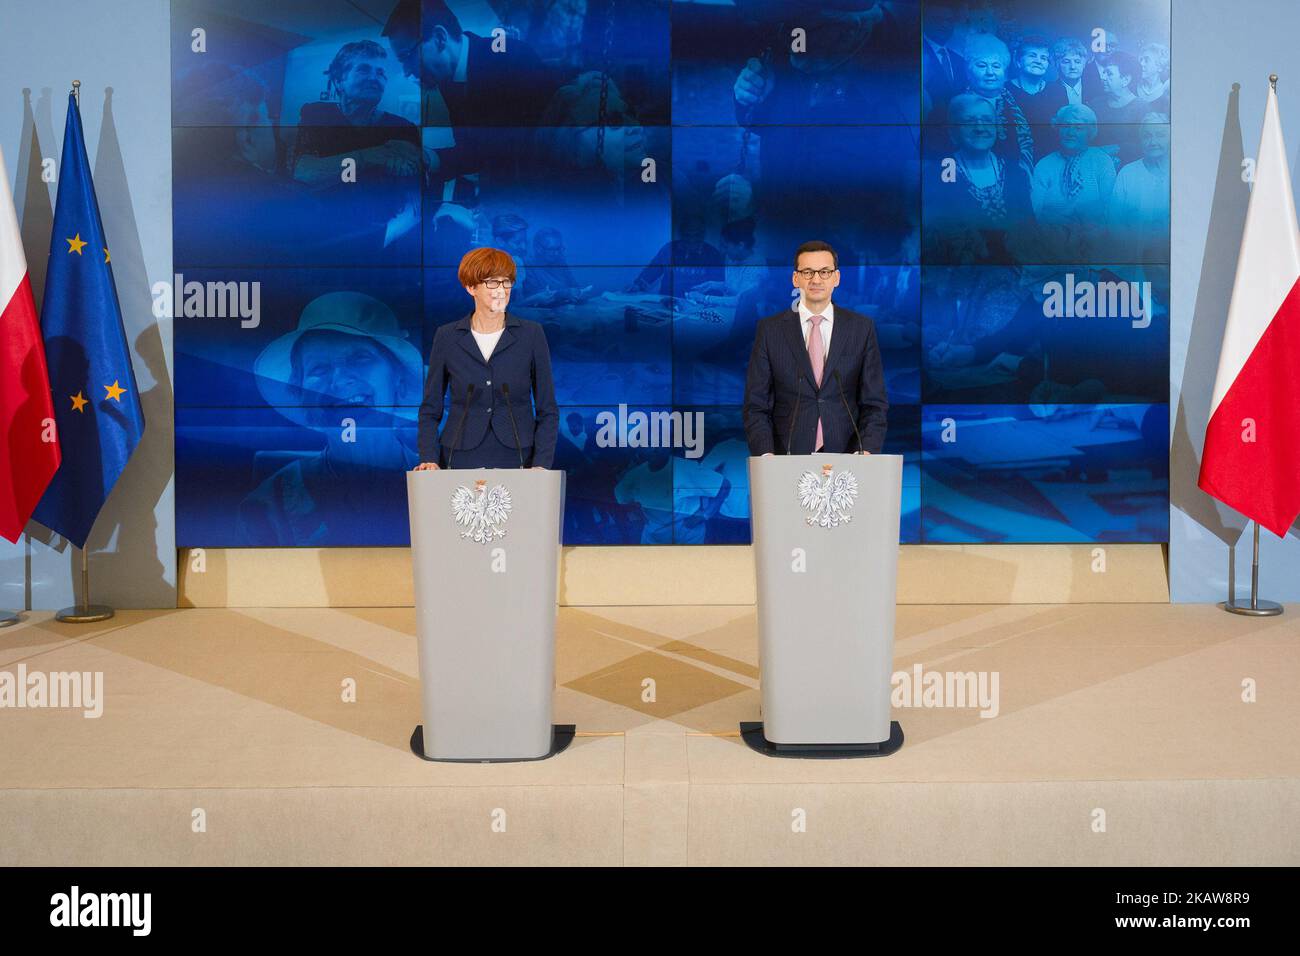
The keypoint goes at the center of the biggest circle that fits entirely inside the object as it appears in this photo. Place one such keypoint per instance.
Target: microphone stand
(505, 392)
(460, 429)
(798, 394)
(852, 418)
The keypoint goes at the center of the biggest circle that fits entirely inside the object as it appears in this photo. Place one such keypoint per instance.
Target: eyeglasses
(498, 283)
(820, 273)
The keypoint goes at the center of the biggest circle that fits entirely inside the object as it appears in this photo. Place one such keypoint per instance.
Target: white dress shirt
(828, 321)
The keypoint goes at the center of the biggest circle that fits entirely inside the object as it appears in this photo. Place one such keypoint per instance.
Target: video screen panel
(992, 175)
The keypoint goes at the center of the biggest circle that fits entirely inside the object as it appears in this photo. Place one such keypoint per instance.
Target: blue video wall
(993, 174)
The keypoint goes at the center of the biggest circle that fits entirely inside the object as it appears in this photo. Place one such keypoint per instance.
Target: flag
(96, 403)
(30, 442)
(1251, 460)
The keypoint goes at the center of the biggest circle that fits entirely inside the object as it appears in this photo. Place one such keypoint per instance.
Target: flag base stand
(1257, 607)
(7, 618)
(84, 614)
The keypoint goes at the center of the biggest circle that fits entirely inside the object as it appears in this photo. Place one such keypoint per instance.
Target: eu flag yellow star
(106, 259)
(75, 244)
(114, 391)
(78, 402)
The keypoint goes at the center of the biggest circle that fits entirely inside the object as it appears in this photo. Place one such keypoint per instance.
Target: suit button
(489, 381)
(820, 400)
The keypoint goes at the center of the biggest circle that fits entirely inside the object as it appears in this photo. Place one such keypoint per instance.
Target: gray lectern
(485, 547)
(826, 556)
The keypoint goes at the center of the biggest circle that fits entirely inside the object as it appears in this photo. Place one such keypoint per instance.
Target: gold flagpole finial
(76, 91)
(1272, 81)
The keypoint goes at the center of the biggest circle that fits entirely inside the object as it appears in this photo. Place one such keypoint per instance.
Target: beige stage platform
(1121, 738)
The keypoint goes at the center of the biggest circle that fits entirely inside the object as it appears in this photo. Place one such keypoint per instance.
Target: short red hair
(480, 264)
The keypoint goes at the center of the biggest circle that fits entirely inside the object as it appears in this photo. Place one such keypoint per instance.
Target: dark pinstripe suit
(779, 368)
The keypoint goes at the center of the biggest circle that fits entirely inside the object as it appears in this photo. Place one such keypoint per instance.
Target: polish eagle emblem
(481, 512)
(829, 497)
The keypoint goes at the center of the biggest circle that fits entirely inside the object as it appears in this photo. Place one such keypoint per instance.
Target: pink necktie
(817, 354)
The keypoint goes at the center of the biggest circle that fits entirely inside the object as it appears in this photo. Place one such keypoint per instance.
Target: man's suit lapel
(792, 330)
(843, 333)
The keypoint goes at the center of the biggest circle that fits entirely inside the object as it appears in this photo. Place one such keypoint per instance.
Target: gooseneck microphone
(852, 418)
(505, 392)
(469, 397)
(798, 394)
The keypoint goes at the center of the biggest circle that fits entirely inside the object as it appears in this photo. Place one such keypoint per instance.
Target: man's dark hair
(419, 17)
(816, 245)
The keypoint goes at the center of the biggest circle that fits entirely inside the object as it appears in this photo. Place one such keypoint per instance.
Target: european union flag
(96, 402)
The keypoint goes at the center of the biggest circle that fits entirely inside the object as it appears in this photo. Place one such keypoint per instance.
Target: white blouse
(487, 341)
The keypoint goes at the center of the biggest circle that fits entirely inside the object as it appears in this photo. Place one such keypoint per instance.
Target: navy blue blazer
(520, 360)
(780, 369)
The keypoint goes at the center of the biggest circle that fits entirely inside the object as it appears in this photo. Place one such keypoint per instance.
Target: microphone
(798, 394)
(505, 391)
(852, 418)
(469, 397)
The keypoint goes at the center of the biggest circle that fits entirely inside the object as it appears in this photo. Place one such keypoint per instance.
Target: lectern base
(752, 733)
(561, 737)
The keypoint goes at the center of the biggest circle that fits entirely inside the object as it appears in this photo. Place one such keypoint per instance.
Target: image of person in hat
(348, 373)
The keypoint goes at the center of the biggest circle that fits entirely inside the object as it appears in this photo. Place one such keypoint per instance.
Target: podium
(485, 549)
(825, 530)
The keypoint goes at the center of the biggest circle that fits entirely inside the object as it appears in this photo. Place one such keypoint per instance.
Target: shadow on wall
(124, 545)
(34, 197)
(1209, 316)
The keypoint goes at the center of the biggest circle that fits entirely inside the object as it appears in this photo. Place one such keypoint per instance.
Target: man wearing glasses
(815, 381)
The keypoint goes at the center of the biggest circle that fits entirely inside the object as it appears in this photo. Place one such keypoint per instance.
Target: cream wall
(597, 576)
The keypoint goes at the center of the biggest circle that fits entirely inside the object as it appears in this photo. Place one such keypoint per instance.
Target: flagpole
(9, 618)
(1256, 607)
(84, 612)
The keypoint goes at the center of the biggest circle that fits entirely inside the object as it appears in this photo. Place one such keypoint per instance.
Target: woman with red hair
(497, 369)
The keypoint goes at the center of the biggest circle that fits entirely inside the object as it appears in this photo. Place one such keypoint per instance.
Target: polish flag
(1251, 460)
(29, 447)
